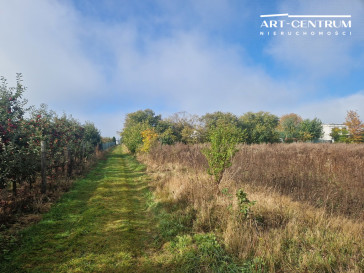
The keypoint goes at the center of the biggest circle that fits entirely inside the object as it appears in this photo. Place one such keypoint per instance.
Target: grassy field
(303, 211)
(110, 221)
(100, 225)
(118, 219)
(324, 175)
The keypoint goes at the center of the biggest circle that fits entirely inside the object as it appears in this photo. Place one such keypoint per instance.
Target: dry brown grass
(308, 215)
(325, 175)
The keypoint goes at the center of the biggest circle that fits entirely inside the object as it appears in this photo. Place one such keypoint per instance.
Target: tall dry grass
(308, 215)
(325, 175)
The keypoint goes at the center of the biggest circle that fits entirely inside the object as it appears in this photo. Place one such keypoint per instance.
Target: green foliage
(167, 137)
(22, 129)
(142, 116)
(211, 120)
(244, 203)
(340, 135)
(310, 129)
(190, 135)
(162, 126)
(132, 136)
(293, 128)
(174, 219)
(201, 253)
(223, 138)
(92, 134)
(256, 265)
(171, 225)
(260, 127)
(289, 127)
(12, 143)
(184, 127)
(178, 128)
(135, 124)
(91, 228)
(189, 252)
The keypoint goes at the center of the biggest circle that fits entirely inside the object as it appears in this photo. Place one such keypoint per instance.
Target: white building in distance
(327, 128)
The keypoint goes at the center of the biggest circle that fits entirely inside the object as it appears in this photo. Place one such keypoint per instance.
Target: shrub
(244, 203)
(149, 138)
(132, 136)
(223, 137)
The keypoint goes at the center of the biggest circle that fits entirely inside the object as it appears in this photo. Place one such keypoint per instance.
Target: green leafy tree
(12, 109)
(132, 136)
(310, 130)
(166, 132)
(340, 135)
(260, 127)
(22, 130)
(12, 139)
(135, 124)
(289, 127)
(190, 135)
(167, 136)
(142, 116)
(183, 126)
(91, 137)
(223, 140)
(210, 121)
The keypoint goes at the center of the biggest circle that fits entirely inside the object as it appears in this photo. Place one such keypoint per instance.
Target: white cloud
(334, 110)
(108, 123)
(314, 57)
(86, 66)
(194, 75)
(41, 39)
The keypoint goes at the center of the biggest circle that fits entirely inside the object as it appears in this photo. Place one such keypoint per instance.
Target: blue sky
(99, 60)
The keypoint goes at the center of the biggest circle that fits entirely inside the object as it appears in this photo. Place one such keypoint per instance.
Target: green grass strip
(100, 225)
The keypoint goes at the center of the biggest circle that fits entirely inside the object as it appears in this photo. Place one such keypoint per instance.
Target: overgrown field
(110, 222)
(308, 214)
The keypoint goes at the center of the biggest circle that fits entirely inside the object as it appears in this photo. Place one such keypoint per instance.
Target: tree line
(142, 126)
(22, 129)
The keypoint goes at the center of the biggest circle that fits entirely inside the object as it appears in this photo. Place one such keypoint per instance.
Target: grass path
(101, 225)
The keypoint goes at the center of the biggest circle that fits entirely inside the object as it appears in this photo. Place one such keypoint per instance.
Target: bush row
(22, 129)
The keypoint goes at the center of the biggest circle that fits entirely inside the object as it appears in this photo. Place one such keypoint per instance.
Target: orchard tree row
(22, 129)
(144, 126)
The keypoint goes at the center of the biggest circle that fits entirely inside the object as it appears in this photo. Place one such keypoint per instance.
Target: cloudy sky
(99, 60)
